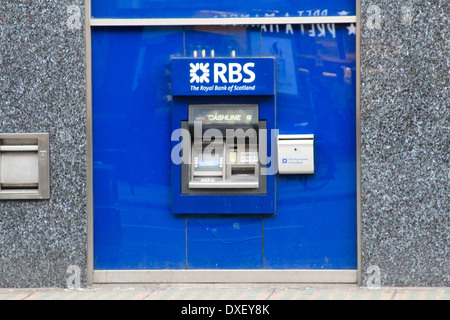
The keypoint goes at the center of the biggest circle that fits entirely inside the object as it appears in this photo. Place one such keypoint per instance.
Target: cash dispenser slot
(242, 171)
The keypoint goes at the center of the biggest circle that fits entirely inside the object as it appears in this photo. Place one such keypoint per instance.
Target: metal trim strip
(225, 276)
(96, 22)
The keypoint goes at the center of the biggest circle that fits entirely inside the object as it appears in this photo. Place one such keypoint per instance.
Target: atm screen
(208, 158)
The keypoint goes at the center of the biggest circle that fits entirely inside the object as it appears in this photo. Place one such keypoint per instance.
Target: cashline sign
(223, 76)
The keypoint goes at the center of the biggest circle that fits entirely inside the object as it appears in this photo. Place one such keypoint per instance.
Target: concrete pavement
(226, 292)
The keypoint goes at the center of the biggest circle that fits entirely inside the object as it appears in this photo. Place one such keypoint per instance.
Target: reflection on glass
(315, 94)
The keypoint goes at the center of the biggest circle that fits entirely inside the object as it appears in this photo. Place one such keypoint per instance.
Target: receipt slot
(224, 110)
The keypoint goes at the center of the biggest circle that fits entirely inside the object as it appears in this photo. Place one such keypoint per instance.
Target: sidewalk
(227, 292)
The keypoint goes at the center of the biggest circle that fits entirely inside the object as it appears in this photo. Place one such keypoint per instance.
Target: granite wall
(42, 89)
(405, 142)
(404, 125)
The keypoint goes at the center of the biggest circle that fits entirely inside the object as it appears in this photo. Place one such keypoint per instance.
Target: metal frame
(214, 276)
(358, 141)
(221, 21)
(89, 149)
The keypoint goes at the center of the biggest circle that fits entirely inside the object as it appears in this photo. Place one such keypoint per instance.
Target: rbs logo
(224, 73)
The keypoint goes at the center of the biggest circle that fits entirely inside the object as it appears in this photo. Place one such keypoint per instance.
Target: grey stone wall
(404, 124)
(42, 89)
(405, 142)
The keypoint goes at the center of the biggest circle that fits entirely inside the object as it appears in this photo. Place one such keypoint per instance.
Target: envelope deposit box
(295, 153)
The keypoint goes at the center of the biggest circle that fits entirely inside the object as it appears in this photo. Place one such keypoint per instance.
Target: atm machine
(225, 110)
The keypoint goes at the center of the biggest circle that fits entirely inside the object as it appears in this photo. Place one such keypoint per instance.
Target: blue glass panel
(219, 9)
(315, 224)
(225, 242)
(315, 221)
(133, 225)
